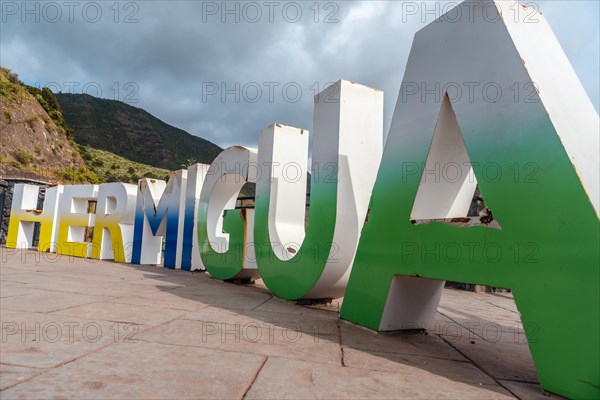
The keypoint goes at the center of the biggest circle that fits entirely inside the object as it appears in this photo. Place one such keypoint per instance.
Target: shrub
(131, 170)
(22, 157)
(42, 102)
(78, 175)
(13, 78)
(31, 122)
(8, 116)
(38, 150)
(84, 153)
(50, 99)
(188, 163)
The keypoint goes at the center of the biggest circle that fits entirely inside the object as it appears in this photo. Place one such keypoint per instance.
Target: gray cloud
(176, 51)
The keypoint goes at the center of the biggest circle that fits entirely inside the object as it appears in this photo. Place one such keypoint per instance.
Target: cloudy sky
(224, 71)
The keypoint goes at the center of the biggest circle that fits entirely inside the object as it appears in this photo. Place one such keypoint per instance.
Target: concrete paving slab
(277, 305)
(14, 270)
(46, 301)
(306, 322)
(241, 300)
(167, 301)
(11, 375)
(162, 333)
(530, 391)
(360, 338)
(145, 371)
(16, 289)
(86, 287)
(206, 291)
(290, 379)
(39, 340)
(114, 312)
(502, 360)
(459, 371)
(254, 338)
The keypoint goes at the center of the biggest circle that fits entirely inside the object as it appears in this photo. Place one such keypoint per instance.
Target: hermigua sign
(489, 175)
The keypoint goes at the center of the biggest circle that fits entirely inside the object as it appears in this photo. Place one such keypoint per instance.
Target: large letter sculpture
(113, 228)
(347, 146)
(24, 215)
(534, 157)
(159, 213)
(190, 254)
(76, 218)
(224, 233)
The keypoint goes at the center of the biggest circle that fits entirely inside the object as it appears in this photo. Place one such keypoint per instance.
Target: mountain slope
(35, 143)
(132, 132)
(110, 167)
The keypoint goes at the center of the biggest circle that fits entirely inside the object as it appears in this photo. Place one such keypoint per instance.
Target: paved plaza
(85, 329)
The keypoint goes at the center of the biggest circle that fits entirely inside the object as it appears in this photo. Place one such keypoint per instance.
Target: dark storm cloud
(170, 57)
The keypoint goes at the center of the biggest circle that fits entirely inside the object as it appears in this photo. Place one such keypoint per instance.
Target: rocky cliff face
(33, 143)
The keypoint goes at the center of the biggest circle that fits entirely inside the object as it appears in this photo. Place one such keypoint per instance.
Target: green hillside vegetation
(132, 132)
(48, 101)
(110, 167)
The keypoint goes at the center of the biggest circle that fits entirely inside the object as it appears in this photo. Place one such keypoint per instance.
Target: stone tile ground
(74, 328)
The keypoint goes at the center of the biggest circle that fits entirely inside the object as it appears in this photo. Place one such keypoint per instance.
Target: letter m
(159, 213)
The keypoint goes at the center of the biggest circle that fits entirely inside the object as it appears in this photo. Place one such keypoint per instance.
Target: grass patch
(31, 122)
(78, 175)
(23, 157)
(10, 86)
(110, 167)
